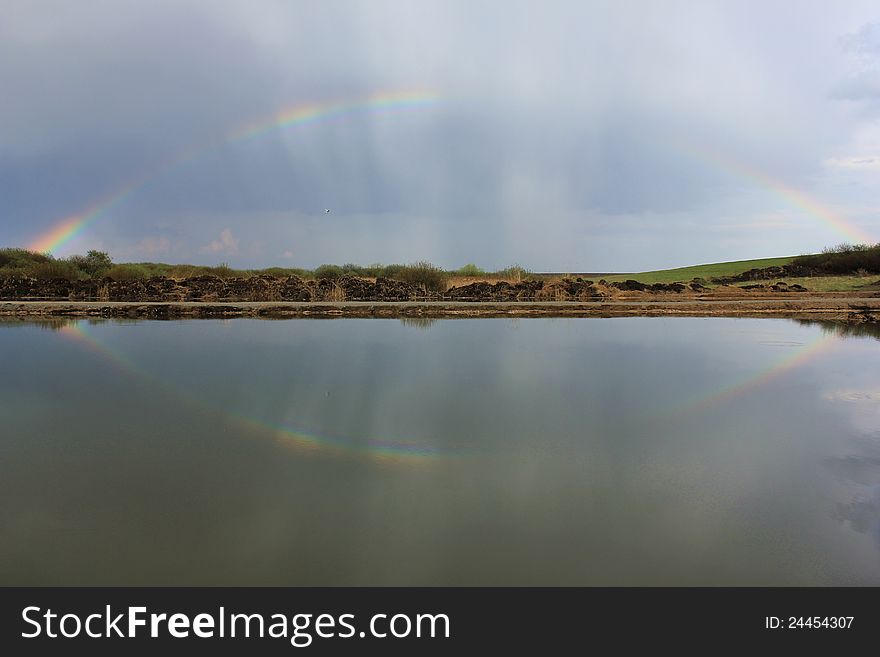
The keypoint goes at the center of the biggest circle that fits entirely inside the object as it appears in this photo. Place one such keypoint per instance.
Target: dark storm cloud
(123, 73)
(558, 138)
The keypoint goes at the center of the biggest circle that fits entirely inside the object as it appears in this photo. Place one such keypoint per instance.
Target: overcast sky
(568, 136)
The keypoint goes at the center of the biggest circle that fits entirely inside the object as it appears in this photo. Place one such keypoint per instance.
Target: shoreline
(854, 308)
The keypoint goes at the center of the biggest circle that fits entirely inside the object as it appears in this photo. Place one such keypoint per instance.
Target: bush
(328, 271)
(191, 271)
(224, 271)
(94, 264)
(284, 272)
(391, 271)
(846, 248)
(352, 269)
(54, 269)
(129, 272)
(184, 271)
(470, 270)
(432, 278)
(843, 259)
(20, 259)
(514, 272)
(375, 270)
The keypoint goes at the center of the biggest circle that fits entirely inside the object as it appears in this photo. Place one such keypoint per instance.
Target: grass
(830, 283)
(128, 272)
(708, 271)
(816, 283)
(432, 278)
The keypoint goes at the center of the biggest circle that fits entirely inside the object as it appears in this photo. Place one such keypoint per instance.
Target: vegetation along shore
(840, 283)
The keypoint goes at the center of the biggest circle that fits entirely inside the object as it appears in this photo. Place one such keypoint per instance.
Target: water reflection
(862, 514)
(861, 511)
(867, 329)
(46, 323)
(418, 322)
(480, 452)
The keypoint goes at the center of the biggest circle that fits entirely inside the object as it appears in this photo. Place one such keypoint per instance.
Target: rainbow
(401, 452)
(380, 451)
(70, 226)
(787, 193)
(774, 370)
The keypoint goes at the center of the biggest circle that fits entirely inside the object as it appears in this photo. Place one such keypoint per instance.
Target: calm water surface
(569, 451)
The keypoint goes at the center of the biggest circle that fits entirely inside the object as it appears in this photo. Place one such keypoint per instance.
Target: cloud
(864, 41)
(854, 162)
(121, 74)
(151, 246)
(226, 244)
(554, 143)
(864, 86)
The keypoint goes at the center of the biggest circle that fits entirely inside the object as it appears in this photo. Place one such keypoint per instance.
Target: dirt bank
(848, 308)
(209, 289)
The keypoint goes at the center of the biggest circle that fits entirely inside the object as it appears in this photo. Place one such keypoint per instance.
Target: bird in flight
(326, 210)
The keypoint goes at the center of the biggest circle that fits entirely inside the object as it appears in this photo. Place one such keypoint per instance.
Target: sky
(566, 136)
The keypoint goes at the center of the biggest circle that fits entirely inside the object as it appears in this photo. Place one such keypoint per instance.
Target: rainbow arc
(66, 228)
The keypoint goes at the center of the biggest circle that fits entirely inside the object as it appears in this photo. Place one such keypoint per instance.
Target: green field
(718, 269)
(833, 283)
(21, 262)
(707, 272)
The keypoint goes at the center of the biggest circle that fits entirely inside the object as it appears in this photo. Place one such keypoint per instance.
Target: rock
(203, 288)
(160, 289)
(668, 287)
(387, 288)
(568, 289)
(766, 273)
(501, 291)
(630, 286)
(293, 288)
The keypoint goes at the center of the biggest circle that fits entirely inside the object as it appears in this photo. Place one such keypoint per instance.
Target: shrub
(94, 264)
(431, 277)
(391, 271)
(354, 270)
(284, 272)
(328, 271)
(514, 272)
(843, 259)
(20, 259)
(54, 269)
(223, 270)
(191, 271)
(846, 248)
(375, 270)
(184, 271)
(129, 272)
(469, 270)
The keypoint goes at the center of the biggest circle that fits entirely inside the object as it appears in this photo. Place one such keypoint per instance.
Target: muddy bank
(767, 273)
(787, 271)
(211, 288)
(851, 309)
(208, 289)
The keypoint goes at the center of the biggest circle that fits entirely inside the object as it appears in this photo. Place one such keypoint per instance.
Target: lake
(631, 451)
